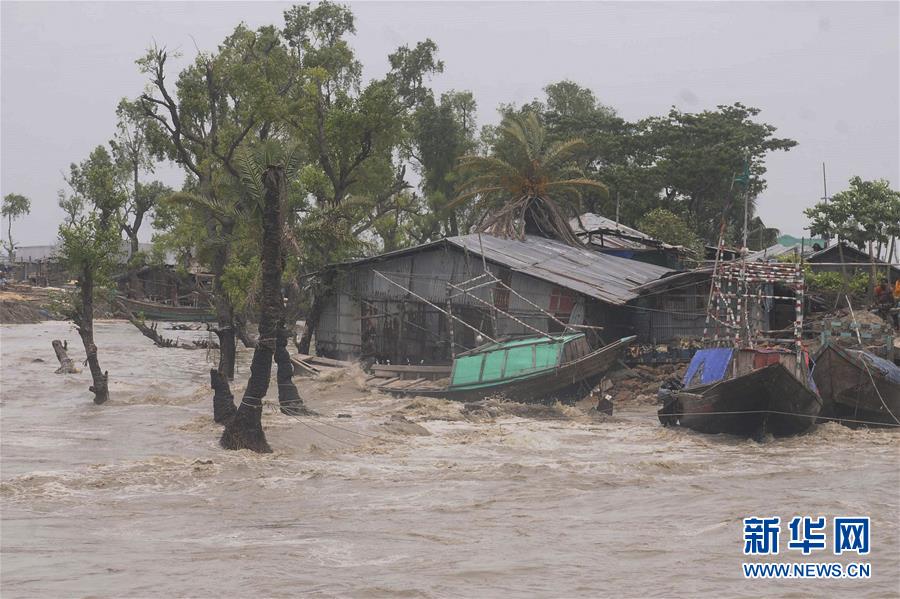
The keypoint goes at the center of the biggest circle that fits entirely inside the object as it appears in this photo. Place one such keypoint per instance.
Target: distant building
(39, 265)
(777, 252)
(855, 261)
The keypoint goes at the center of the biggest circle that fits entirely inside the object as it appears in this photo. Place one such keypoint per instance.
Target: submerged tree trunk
(84, 321)
(288, 396)
(312, 322)
(66, 364)
(223, 398)
(244, 430)
(224, 310)
(240, 329)
(148, 331)
(315, 312)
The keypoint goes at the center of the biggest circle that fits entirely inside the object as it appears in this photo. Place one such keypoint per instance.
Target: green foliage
(98, 180)
(831, 282)
(683, 162)
(441, 133)
(14, 207)
(666, 226)
(240, 281)
(352, 133)
(697, 157)
(89, 248)
(869, 211)
(528, 184)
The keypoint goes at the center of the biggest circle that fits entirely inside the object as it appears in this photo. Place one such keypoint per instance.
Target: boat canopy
(890, 370)
(508, 360)
(708, 366)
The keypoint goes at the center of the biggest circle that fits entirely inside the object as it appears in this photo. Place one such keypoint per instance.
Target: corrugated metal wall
(369, 316)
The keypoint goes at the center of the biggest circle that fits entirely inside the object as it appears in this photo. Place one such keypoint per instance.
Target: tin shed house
(386, 307)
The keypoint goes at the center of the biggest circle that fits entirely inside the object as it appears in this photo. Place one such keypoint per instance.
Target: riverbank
(406, 496)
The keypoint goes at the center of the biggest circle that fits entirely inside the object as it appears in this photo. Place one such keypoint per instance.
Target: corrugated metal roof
(855, 255)
(773, 252)
(601, 276)
(614, 235)
(594, 222)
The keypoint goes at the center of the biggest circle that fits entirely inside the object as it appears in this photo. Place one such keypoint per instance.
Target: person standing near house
(895, 311)
(883, 292)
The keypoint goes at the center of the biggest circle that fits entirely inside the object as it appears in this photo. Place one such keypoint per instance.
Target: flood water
(135, 498)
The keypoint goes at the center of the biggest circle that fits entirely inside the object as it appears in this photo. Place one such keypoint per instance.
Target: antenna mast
(825, 238)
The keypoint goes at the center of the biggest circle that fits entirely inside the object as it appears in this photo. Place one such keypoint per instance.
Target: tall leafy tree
(220, 102)
(867, 214)
(133, 148)
(527, 185)
(441, 133)
(14, 207)
(265, 178)
(90, 243)
(697, 156)
(666, 226)
(351, 132)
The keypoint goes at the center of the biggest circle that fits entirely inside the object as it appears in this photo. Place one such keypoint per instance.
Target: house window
(501, 294)
(562, 302)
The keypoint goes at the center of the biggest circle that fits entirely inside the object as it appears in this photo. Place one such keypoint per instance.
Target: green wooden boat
(530, 369)
(156, 311)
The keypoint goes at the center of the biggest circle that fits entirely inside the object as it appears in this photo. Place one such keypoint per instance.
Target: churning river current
(407, 497)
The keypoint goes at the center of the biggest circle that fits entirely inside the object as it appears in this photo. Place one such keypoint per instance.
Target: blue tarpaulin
(889, 369)
(708, 366)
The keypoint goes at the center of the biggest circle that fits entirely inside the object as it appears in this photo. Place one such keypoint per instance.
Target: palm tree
(528, 185)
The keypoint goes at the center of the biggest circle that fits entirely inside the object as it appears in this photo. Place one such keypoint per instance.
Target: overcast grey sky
(826, 74)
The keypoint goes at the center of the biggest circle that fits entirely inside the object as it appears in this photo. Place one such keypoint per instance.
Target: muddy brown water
(135, 498)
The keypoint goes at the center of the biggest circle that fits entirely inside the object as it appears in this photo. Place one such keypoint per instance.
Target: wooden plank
(410, 368)
(323, 361)
(387, 382)
(406, 384)
(301, 368)
(326, 370)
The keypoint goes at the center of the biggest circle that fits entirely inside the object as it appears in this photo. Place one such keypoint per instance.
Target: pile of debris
(861, 329)
(639, 384)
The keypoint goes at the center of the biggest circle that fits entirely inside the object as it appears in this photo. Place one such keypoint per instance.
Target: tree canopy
(868, 211)
(14, 207)
(527, 184)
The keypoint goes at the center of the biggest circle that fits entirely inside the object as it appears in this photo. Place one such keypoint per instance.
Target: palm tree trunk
(224, 310)
(85, 325)
(245, 430)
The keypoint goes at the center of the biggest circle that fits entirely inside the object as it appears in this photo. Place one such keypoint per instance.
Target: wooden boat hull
(768, 399)
(154, 311)
(568, 382)
(853, 394)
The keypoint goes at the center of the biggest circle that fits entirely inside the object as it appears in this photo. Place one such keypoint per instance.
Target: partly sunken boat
(857, 387)
(531, 369)
(166, 312)
(745, 392)
(746, 383)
